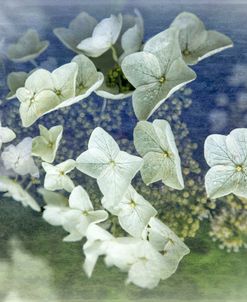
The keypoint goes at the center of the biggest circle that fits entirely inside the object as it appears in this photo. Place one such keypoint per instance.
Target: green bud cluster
(116, 79)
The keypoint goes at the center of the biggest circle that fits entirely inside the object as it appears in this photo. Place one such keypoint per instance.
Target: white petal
(221, 180)
(80, 200)
(134, 213)
(215, 150)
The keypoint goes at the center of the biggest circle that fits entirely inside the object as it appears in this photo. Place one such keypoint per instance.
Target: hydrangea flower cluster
(114, 62)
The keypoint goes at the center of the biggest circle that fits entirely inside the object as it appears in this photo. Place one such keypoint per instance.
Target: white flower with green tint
(19, 158)
(45, 91)
(80, 215)
(196, 42)
(133, 211)
(104, 36)
(168, 243)
(116, 86)
(87, 80)
(227, 157)
(45, 146)
(156, 72)
(144, 264)
(56, 207)
(156, 144)
(15, 80)
(113, 169)
(27, 48)
(79, 29)
(6, 135)
(56, 177)
(14, 190)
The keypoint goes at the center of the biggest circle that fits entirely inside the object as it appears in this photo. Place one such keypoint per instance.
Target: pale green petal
(64, 80)
(92, 162)
(46, 145)
(103, 141)
(196, 43)
(115, 180)
(222, 180)
(66, 166)
(141, 68)
(87, 74)
(39, 80)
(146, 139)
(131, 40)
(80, 200)
(215, 150)
(15, 80)
(236, 143)
(214, 43)
(192, 31)
(165, 46)
(153, 167)
(134, 213)
(53, 198)
(148, 98)
(156, 143)
(79, 29)
(105, 35)
(27, 48)
(31, 111)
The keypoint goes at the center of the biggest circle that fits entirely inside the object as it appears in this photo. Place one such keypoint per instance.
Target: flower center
(62, 173)
(132, 204)
(112, 163)
(81, 86)
(166, 154)
(50, 145)
(58, 92)
(162, 80)
(186, 52)
(85, 213)
(239, 168)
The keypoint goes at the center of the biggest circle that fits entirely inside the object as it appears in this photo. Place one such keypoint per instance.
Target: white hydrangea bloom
(156, 72)
(80, 215)
(113, 169)
(196, 42)
(27, 48)
(79, 29)
(19, 158)
(155, 142)
(56, 177)
(44, 91)
(46, 145)
(15, 191)
(226, 155)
